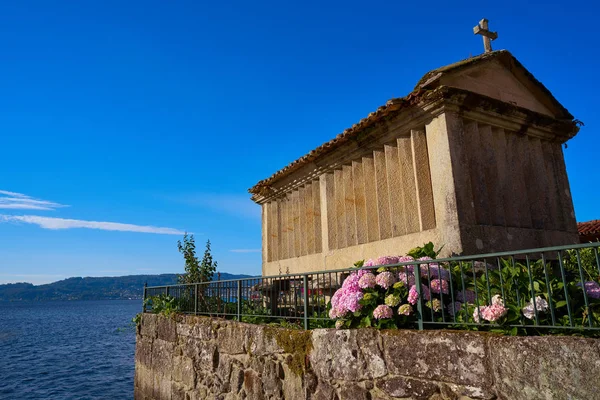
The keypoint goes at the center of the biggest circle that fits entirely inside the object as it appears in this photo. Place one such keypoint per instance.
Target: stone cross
(482, 29)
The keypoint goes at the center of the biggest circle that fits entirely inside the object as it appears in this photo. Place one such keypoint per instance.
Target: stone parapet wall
(191, 358)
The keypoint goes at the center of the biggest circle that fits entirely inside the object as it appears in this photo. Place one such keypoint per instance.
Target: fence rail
(554, 288)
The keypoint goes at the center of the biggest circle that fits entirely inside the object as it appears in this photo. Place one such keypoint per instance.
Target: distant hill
(104, 288)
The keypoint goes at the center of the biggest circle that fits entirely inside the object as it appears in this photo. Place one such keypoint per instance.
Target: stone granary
(471, 159)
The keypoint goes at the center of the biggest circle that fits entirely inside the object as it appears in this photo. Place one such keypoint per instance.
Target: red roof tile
(589, 227)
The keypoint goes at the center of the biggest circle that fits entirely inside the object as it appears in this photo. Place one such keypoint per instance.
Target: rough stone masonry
(193, 358)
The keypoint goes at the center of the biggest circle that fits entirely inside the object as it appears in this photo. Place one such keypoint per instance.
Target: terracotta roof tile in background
(589, 227)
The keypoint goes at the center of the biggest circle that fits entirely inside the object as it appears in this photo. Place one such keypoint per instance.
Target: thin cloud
(63, 223)
(245, 250)
(19, 201)
(12, 194)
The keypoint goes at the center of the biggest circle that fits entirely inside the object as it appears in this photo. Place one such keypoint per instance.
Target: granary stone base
(201, 358)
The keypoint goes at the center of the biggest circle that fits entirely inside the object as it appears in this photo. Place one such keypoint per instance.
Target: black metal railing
(547, 289)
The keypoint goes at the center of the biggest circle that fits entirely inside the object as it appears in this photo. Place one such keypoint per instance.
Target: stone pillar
(395, 191)
(349, 230)
(440, 136)
(422, 172)
(371, 199)
(382, 194)
(265, 235)
(360, 202)
(410, 209)
(318, 223)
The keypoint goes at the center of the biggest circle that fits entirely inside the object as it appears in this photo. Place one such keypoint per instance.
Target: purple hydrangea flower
(436, 271)
(529, 310)
(454, 308)
(467, 297)
(592, 289)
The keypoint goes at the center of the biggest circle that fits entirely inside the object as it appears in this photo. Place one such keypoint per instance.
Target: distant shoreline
(129, 287)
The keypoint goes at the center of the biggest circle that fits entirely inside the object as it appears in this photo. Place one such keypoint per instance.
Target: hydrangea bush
(511, 297)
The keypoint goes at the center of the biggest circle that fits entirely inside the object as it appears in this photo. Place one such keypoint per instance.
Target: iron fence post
(239, 300)
(417, 273)
(144, 299)
(167, 291)
(305, 287)
(196, 299)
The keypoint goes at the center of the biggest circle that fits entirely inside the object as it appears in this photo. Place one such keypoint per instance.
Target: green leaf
(560, 304)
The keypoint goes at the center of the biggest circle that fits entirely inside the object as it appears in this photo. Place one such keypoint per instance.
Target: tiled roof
(391, 105)
(263, 186)
(589, 227)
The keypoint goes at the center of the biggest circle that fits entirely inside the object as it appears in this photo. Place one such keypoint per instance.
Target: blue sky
(162, 114)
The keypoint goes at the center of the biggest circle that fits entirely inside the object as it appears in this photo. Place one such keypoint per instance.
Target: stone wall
(191, 358)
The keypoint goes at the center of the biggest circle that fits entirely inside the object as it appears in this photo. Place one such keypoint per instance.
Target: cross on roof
(482, 29)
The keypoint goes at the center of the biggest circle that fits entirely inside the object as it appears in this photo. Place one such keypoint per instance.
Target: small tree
(195, 271)
(208, 267)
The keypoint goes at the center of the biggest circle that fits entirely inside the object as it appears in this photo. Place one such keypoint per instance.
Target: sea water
(67, 349)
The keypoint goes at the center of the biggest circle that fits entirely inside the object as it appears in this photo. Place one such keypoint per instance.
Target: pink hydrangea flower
(489, 313)
(494, 312)
(477, 313)
(413, 295)
(425, 265)
(385, 279)
(347, 298)
(386, 260)
(382, 311)
(351, 301)
(404, 259)
(439, 286)
(363, 271)
(351, 282)
(407, 277)
(366, 281)
(369, 263)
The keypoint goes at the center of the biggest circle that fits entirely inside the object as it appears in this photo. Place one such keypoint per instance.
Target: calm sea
(67, 350)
